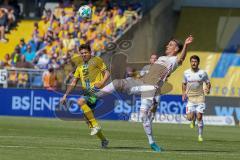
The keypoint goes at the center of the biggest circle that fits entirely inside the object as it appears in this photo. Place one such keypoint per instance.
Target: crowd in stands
(59, 33)
(9, 12)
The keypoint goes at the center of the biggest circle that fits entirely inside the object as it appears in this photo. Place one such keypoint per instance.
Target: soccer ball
(85, 11)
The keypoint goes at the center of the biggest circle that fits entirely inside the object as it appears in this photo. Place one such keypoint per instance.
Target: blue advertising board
(42, 103)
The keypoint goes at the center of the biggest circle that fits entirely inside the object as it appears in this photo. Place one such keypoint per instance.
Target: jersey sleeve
(77, 73)
(205, 78)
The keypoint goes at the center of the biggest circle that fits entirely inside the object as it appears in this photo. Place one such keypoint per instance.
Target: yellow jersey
(90, 72)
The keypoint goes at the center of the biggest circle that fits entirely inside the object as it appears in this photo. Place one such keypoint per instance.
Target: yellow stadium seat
(23, 30)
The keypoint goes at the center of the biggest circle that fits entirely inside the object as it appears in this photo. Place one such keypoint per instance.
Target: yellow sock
(89, 116)
(101, 136)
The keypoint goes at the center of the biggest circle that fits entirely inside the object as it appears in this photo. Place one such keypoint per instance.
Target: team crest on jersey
(200, 76)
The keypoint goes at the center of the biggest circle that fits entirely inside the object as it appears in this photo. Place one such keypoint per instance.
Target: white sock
(200, 127)
(147, 125)
(150, 139)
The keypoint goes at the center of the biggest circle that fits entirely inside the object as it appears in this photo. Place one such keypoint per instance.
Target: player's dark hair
(85, 46)
(179, 44)
(195, 57)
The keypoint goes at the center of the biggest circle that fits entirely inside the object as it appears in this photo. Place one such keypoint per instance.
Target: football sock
(147, 125)
(89, 116)
(101, 136)
(200, 127)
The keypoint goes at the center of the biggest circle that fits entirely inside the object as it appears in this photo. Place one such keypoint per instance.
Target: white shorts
(147, 103)
(195, 107)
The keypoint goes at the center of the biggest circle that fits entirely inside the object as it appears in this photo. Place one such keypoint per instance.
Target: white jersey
(169, 61)
(160, 70)
(194, 81)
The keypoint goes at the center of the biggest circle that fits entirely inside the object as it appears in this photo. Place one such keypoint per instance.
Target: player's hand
(189, 40)
(184, 97)
(207, 91)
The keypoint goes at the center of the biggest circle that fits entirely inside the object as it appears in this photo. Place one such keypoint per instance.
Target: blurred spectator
(16, 56)
(120, 23)
(54, 64)
(33, 45)
(49, 79)
(76, 32)
(43, 25)
(23, 64)
(91, 33)
(12, 78)
(145, 69)
(29, 54)
(10, 17)
(23, 46)
(42, 60)
(63, 18)
(3, 24)
(68, 42)
(130, 14)
(99, 44)
(7, 60)
(84, 25)
(22, 79)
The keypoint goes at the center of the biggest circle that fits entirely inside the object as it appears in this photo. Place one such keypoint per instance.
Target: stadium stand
(52, 42)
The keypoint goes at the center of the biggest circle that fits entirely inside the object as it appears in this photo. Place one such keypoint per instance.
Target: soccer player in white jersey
(192, 88)
(150, 84)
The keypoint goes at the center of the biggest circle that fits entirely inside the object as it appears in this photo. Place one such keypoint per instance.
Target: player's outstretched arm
(188, 41)
(69, 89)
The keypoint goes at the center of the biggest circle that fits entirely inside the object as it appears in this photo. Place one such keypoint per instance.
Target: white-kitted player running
(149, 85)
(192, 88)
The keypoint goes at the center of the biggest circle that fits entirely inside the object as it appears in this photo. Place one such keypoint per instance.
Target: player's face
(153, 58)
(171, 48)
(86, 55)
(194, 64)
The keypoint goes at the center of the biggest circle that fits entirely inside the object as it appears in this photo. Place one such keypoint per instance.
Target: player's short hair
(179, 44)
(195, 57)
(85, 46)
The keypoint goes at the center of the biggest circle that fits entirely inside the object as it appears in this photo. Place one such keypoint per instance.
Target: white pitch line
(78, 148)
(123, 150)
(43, 137)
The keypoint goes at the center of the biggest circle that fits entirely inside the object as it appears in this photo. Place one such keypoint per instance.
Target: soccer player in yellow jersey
(93, 74)
(192, 88)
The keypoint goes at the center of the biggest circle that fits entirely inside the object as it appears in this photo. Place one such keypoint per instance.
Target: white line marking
(124, 150)
(78, 148)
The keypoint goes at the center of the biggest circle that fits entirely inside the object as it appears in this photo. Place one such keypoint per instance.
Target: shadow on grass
(132, 148)
(219, 140)
(198, 150)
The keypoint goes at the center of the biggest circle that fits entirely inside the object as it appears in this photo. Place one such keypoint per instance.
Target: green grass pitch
(54, 139)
